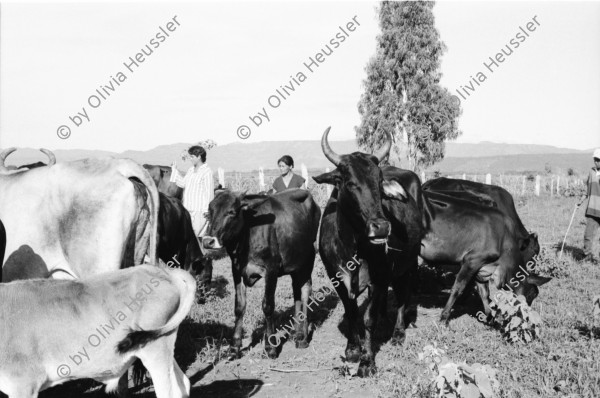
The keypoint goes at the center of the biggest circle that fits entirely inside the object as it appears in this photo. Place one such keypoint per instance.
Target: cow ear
(219, 191)
(537, 280)
(333, 177)
(392, 189)
(253, 201)
(524, 243)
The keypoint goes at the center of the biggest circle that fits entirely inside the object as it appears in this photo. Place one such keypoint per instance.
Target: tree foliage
(402, 94)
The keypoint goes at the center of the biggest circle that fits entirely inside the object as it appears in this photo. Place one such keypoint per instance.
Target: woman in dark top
(288, 179)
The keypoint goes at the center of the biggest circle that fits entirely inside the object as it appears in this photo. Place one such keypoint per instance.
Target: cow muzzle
(378, 231)
(210, 242)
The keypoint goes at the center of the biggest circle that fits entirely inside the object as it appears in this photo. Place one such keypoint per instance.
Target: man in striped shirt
(198, 187)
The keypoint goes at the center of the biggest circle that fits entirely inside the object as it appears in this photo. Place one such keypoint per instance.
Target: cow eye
(350, 185)
(231, 212)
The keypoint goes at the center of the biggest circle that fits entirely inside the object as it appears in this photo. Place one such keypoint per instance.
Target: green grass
(563, 361)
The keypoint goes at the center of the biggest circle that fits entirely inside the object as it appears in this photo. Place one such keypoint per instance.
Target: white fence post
(422, 177)
(261, 179)
(221, 174)
(328, 187)
(464, 176)
(488, 178)
(523, 189)
(557, 185)
(537, 185)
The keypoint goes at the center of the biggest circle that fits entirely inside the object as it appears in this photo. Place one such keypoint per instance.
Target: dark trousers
(591, 227)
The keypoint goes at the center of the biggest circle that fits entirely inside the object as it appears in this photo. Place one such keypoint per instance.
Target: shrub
(549, 264)
(576, 190)
(459, 380)
(514, 318)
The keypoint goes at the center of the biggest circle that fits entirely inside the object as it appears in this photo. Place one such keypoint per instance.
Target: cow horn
(327, 151)
(384, 151)
(51, 157)
(3, 156)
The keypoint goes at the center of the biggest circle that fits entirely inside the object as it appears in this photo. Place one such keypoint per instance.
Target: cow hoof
(301, 344)
(445, 323)
(366, 369)
(353, 354)
(399, 337)
(271, 352)
(234, 353)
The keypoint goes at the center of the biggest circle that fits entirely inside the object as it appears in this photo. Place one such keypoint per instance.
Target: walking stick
(565, 239)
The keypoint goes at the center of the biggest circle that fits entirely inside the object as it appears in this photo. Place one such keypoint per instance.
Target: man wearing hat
(592, 213)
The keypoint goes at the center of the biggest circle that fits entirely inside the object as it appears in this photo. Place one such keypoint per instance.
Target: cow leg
(240, 309)
(467, 270)
(167, 378)
(353, 347)
(302, 287)
(484, 293)
(367, 360)
(204, 280)
(268, 306)
(383, 309)
(401, 286)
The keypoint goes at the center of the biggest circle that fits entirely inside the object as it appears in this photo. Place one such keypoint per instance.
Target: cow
(162, 178)
(378, 223)
(483, 243)
(266, 237)
(54, 331)
(483, 193)
(177, 242)
(77, 219)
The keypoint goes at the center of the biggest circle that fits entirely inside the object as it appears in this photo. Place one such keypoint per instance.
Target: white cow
(53, 331)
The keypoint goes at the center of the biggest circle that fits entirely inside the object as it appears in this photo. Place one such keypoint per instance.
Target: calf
(482, 242)
(54, 331)
(177, 242)
(378, 223)
(266, 237)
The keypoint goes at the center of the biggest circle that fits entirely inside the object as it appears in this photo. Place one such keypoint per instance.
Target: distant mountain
(486, 148)
(559, 163)
(460, 157)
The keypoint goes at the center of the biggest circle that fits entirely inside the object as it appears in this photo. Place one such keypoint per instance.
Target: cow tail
(130, 169)
(186, 284)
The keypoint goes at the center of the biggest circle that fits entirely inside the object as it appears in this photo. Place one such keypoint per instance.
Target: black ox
(177, 242)
(483, 243)
(490, 195)
(378, 222)
(266, 237)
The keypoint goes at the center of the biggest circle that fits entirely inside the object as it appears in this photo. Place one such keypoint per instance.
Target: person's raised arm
(176, 176)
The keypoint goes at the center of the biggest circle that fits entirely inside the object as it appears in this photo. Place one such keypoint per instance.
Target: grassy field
(563, 362)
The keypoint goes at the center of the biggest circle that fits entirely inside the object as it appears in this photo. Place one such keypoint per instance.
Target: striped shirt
(198, 187)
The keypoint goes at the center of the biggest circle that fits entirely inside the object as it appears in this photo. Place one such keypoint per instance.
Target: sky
(223, 63)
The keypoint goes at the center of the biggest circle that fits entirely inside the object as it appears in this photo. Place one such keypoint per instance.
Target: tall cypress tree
(402, 94)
